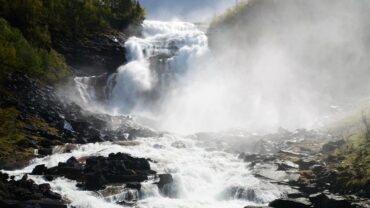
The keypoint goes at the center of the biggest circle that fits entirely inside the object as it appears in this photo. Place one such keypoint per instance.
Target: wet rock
(133, 185)
(141, 132)
(165, 185)
(252, 157)
(97, 172)
(306, 164)
(164, 179)
(95, 181)
(256, 207)
(72, 162)
(48, 177)
(25, 193)
(45, 151)
(290, 203)
(39, 170)
(331, 146)
(322, 200)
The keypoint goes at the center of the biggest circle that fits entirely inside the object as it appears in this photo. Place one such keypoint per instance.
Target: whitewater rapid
(203, 178)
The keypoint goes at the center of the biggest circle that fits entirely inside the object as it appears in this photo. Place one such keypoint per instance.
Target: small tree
(367, 128)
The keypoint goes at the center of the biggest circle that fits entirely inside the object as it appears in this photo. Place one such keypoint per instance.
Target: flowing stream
(203, 176)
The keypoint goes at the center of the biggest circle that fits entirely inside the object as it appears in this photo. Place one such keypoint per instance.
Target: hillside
(42, 43)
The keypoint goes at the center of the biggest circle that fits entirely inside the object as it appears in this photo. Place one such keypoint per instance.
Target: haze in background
(281, 63)
(185, 10)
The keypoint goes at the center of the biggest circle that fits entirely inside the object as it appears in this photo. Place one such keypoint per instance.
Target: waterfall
(156, 62)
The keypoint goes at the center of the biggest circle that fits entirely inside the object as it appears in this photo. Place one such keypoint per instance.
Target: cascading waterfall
(202, 177)
(156, 62)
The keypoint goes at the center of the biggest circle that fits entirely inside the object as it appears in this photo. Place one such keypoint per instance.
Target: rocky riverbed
(54, 125)
(300, 162)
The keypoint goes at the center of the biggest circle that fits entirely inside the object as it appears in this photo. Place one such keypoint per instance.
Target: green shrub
(27, 28)
(229, 14)
(17, 54)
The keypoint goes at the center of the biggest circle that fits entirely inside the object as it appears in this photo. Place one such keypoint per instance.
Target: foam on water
(202, 178)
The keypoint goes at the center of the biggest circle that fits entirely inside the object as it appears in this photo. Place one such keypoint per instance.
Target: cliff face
(95, 53)
(42, 42)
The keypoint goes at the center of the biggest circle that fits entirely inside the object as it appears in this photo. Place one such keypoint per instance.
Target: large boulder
(25, 193)
(322, 200)
(290, 203)
(98, 171)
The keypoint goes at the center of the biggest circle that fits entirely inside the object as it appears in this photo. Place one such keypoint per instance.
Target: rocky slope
(301, 161)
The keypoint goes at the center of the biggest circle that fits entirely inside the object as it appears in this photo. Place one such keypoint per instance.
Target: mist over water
(283, 63)
(278, 64)
(189, 10)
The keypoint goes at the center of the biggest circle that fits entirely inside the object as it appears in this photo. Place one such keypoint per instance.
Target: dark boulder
(25, 193)
(164, 179)
(257, 207)
(97, 172)
(39, 170)
(95, 181)
(290, 203)
(322, 200)
(306, 164)
(133, 185)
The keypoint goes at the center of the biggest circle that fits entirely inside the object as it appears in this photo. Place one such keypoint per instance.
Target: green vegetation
(13, 135)
(352, 158)
(17, 54)
(27, 31)
(27, 28)
(354, 164)
(229, 15)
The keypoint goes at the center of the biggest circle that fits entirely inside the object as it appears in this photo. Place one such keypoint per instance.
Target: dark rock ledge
(45, 120)
(25, 193)
(97, 172)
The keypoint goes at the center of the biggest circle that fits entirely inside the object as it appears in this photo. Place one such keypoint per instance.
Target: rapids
(203, 177)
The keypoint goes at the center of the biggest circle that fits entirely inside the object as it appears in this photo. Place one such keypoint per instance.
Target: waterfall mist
(279, 64)
(189, 10)
(276, 64)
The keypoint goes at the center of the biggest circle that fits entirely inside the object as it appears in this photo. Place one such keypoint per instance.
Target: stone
(133, 185)
(95, 181)
(164, 179)
(306, 164)
(322, 200)
(39, 170)
(290, 203)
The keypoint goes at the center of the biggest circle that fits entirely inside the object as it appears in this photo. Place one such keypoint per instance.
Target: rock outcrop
(97, 172)
(25, 193)
(92, 54)
(44, 120)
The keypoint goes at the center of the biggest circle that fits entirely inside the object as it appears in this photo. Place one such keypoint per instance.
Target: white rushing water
(157, 61)
(202, 178)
